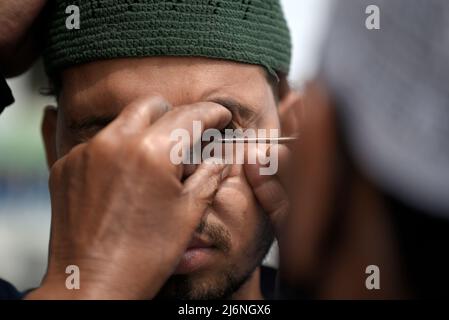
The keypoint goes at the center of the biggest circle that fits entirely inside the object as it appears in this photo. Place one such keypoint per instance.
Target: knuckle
(102, 145)
(210, 111)
(199, 108)
(159, 100)
(75, 153)
(178, 110)
(146, 152)
(56, 172)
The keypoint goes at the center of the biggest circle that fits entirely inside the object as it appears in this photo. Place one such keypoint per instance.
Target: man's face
(235, 234)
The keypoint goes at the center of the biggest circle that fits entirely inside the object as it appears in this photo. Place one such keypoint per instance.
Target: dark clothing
(267, 282)
(423, 239)
(8, 292)
(6, 97)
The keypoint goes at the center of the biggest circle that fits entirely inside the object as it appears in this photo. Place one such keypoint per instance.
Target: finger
(137, 116)
(191, 121)
(201, 187)
(273, 199)
(313, 196)
(208, 115)
(269, 189)
(284, 156)
(275, 152)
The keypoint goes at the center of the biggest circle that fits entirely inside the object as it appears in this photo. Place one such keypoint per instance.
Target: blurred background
(24, 199)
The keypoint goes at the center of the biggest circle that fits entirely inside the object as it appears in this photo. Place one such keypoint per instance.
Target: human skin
(339, 222)
(92, 95)
(115, 237)
(20, 31)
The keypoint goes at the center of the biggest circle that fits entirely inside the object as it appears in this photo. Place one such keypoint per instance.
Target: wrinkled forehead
(113, 84)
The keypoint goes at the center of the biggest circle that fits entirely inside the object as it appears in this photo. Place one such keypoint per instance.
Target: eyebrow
(246, 113)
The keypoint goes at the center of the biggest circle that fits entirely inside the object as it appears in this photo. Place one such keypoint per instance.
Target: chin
(218, 285)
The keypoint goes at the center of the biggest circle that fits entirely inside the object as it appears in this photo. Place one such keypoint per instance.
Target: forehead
(112, 84)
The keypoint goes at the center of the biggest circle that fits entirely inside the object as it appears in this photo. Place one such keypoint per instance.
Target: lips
(198, 243)
(198, 255)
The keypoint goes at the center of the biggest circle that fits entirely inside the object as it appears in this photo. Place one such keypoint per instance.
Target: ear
(290, 110)
(48, 128)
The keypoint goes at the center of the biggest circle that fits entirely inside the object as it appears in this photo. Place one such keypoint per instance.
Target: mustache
(219, 236)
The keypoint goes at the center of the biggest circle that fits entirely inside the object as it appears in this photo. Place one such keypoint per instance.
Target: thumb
(269, 190)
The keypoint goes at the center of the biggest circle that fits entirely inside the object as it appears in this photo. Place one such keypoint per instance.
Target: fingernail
(167, 106)
(214, 160)
(268, 151)
(262, 155)
(274, 147)
(225, 172)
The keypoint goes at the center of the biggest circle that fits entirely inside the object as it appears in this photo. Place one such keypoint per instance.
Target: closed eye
(88, 127)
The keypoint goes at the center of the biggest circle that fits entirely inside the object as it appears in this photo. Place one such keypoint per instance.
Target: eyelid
(238, 122)
(237, 131)
(245, 115)
(91, 123)
(85, 135)
(231, 125)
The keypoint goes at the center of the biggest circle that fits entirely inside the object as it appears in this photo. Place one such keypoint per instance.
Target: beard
(188, 287)
(223, 283)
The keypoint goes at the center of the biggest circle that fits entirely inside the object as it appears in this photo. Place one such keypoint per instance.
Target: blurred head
(93, 93)
(372, 168)
(388, 88)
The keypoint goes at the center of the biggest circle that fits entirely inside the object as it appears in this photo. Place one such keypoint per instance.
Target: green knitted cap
(248, 31)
